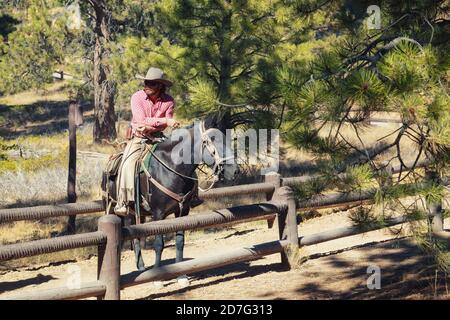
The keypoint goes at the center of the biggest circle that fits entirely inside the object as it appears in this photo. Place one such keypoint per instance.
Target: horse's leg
(182, 280)
(126, 221)
(158, 245)
(138, 253)
(179, 240)
(143, 240)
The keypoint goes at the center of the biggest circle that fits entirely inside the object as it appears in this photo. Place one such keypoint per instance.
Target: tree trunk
(225, 61)
(104, 87)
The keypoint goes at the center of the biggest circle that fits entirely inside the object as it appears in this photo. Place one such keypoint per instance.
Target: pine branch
(363, 54)
(351, 145)
(413, 166)
(343, 119)
(389, 134)
(309, 9)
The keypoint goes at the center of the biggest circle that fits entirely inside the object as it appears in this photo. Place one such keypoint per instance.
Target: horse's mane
(208, 120)
(214, 120)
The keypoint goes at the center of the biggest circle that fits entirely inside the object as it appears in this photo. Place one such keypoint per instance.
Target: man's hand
(172, 123)
(168, 121)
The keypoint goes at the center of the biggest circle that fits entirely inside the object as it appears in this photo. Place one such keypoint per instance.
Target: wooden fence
(280, 205)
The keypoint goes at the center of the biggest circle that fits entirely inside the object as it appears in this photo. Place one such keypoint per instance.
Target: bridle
(209, 145)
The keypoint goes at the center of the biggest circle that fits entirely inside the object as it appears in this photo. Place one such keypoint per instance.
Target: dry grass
(53, 92)
(49, 185)
(27, 231)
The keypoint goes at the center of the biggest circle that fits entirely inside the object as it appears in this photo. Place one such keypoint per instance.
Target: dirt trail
(330, 273)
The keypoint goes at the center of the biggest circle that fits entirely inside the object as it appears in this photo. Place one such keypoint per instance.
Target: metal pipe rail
(217, 218)
(37, 247)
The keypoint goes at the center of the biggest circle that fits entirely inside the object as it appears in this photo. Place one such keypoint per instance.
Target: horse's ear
(219, 120)
(212, 120)
(225, 121)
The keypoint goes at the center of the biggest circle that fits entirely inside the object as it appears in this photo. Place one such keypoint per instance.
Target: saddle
(111, 171)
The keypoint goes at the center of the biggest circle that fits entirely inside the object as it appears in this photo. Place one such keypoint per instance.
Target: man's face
(152, 88)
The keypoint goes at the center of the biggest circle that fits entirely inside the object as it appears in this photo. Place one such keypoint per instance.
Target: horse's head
(216, 153)
(204, 142)
(215, 147)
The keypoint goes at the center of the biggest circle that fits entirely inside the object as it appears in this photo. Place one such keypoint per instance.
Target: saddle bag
(109, 176)
(112, 167)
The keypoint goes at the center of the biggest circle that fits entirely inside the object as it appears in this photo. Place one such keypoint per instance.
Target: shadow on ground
(43, 117)
(406, 273)
(224, 273)
(18, 284)
(33, 202)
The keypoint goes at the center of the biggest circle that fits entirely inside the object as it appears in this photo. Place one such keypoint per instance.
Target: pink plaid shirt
(146, 112)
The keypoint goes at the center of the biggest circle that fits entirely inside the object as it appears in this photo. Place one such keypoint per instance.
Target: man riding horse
(152, 109)
(156, 172)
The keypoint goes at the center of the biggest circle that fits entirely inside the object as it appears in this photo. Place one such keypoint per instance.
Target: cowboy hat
(155, 74)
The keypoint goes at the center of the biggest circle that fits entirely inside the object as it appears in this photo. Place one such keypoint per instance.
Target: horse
(172, 182)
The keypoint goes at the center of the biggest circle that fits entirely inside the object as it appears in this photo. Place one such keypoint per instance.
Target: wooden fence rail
(50, 211)
(38, 247)
(217, 219)
(205, 263)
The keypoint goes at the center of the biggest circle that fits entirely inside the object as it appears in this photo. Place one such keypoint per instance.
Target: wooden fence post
(275, 179)
(109, 256)
(287, 225)
(75, 119)
(287, 219)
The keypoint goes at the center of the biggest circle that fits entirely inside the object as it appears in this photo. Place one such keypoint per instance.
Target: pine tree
(33, 50)
(43, 43)
(401, 67)
(228, 48)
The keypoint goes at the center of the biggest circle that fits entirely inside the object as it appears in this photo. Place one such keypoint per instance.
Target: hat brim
(163, 81)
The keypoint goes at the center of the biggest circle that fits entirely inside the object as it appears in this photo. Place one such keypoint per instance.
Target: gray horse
(171, 176)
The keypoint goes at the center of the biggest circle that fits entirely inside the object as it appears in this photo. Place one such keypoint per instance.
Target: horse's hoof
(183, 281)
(158, 284)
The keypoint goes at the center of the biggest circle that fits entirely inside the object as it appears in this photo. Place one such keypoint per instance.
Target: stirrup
(145, 204)
(122, 211)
